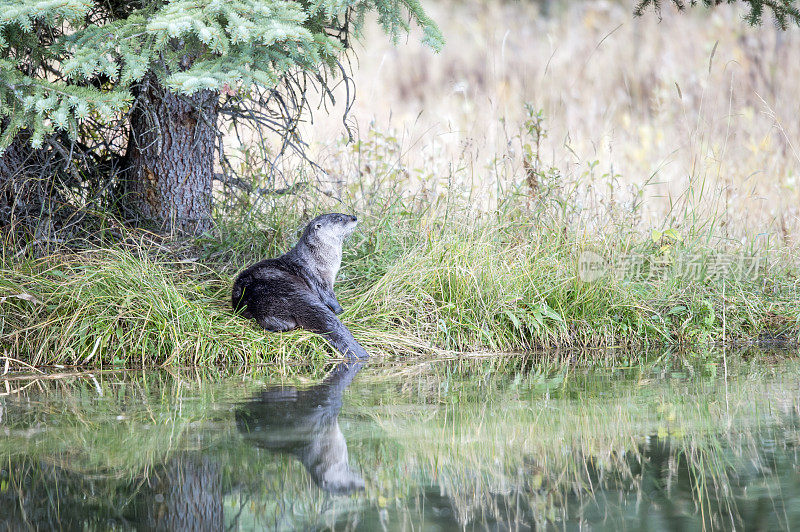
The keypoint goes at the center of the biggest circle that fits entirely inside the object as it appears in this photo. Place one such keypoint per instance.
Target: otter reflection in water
(305, 423)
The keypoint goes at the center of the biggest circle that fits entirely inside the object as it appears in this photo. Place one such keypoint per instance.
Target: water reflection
(178, 474)
(438, 446)
(305, 424)
(186, 493)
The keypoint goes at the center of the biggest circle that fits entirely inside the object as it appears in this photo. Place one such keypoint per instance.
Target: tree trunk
(171, 157)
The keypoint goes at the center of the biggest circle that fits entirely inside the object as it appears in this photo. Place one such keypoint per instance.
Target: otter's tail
(325, 323)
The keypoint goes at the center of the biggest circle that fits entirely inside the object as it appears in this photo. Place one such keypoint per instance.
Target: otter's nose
(353, 219)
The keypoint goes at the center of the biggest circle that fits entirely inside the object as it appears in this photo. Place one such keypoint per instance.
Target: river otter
(296, 289)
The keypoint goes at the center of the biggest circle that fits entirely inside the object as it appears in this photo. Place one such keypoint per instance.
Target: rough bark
(171, 157)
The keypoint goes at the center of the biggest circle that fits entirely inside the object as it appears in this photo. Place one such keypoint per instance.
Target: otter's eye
(317, 225)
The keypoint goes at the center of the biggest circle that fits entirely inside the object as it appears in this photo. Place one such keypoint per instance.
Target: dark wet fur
(294, 290)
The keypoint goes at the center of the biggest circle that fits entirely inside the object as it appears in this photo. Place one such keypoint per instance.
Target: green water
(494, 444)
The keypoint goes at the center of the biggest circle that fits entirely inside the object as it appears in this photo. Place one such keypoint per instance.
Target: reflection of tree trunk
(186, 494)
(171, 156)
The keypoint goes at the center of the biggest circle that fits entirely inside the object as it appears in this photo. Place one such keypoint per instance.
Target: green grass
(412, 283)
(117, 307)
(425, 274)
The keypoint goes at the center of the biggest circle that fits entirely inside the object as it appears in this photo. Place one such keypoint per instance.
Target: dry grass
(700, 106)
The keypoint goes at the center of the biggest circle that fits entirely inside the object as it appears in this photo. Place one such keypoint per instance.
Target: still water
(497, 443)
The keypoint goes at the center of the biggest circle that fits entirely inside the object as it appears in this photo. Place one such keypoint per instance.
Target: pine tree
(135, 89)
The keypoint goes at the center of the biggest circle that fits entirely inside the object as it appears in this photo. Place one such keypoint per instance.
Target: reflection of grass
(549, 439)
(114, 424)
(495, 440)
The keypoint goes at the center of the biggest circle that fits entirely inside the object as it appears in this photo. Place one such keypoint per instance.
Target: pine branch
(784, 12)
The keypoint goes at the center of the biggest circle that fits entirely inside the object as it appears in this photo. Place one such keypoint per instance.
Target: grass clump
(424, 274)
(416, 285)
(123, 307)
(484, 291)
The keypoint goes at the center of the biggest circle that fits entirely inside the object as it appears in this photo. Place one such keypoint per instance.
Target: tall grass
(696, 100)
(411, 284)
(118, 307)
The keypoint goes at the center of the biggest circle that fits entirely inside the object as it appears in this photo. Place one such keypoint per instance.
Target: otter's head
(330, 229)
